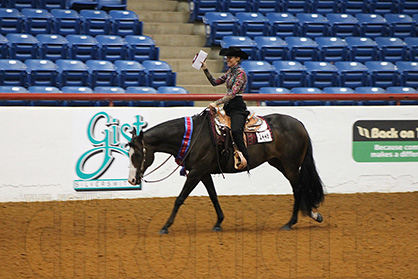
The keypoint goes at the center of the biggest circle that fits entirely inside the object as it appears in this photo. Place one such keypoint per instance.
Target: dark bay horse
(290, 153)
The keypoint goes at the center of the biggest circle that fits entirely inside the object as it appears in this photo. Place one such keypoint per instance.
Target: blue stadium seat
(266, 6)
(76, 89)
(79, 90)
(340, 90)
(109, 90)
(354, 6)
(72, 73)
(142, 90)
(141, 48)
(383, 6)
(37, 21)
(332, 49)
(392, 49)
(290, 74)
(174, 90)
(52, 46)
(102, 73)
(412, 44)
(283, 24)
(321, 74)
(21, 4)
(112, 47)
(308, 90)
(218, 25)
(66, 22)
(351, 74)
(372, 25)
(45, 89)
(362, 49)
(313, 25)
(400, 25)
(403, 90)
(245, 43)
(372, 90)
(95, 22)
(125, 23)
(41, 72)
(237, 6)
(259, 74)
(11, 21)
(408, 73)
(382, 74)
(159, 73)
(12, 72)
(79, 5)
(408, 7)
(22, 46)
(295, 6)
(198, 8)
(276, 90)
(130, 73)
(52, 4)
(108, 5)
(302, 49)
(3, 47)
(325, 6)
(252, 24)
(343, 25)
(271, 48)
(82, 47)
(13, 89)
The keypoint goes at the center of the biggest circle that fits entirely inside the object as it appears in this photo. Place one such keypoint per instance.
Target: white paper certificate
(198, 59)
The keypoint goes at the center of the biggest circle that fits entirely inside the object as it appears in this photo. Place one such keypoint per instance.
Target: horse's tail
(311, 184)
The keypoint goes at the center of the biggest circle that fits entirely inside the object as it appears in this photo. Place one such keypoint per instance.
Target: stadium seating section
(294, 46)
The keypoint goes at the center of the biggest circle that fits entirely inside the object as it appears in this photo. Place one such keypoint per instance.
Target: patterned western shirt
(235, 79)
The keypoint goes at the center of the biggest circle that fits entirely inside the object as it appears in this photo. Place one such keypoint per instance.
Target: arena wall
(81, 154)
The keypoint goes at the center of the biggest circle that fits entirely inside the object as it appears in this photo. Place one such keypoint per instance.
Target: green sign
(385, 141)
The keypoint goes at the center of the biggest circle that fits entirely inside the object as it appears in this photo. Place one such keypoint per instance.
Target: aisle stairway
(166, 22)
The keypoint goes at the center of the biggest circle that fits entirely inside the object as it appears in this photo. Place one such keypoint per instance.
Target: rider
(233, 103)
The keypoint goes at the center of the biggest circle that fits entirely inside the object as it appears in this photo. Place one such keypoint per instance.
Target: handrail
(202, 97)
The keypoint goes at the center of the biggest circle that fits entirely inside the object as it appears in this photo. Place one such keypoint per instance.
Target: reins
(181, 162)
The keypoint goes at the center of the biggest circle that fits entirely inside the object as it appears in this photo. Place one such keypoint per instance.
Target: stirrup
(239, 160)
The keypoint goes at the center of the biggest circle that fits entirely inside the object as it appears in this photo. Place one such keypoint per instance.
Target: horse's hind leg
(210, 187)
(188, 187)
(292, 174)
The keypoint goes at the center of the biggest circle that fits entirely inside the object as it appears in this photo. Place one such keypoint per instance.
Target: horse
(290, 152)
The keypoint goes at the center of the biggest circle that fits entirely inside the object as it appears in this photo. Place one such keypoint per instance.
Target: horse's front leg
(189, 185)
(210, 187)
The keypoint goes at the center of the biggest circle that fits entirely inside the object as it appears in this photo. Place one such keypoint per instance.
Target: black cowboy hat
(233, 51)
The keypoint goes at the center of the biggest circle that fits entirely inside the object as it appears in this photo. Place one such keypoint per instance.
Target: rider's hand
(212, 106)
(204, 66)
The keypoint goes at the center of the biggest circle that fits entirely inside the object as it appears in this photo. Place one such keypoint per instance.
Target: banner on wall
(101, 150)
(385, 141)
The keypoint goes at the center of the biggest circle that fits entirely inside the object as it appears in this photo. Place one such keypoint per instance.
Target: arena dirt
(362, 236)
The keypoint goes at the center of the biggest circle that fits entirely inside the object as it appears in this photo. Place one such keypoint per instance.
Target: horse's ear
(133, 132)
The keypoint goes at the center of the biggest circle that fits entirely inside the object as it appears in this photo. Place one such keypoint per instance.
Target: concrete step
(154, 28)
(163, 17)
(204, 89)
(167, 52)
(194, 78)
(156, 5)
(179, 40)
(185, 65)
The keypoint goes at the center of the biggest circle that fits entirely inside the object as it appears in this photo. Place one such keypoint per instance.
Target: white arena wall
(46, 153)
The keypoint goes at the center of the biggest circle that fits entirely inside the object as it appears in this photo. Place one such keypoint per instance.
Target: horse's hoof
(217, 229)
(286, 227)
(164, 231)
(319, 218)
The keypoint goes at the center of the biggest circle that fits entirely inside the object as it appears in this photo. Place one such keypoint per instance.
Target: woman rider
(233, 103)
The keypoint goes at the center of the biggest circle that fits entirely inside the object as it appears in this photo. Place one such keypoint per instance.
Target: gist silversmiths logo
(385, 141)
(101, 155)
